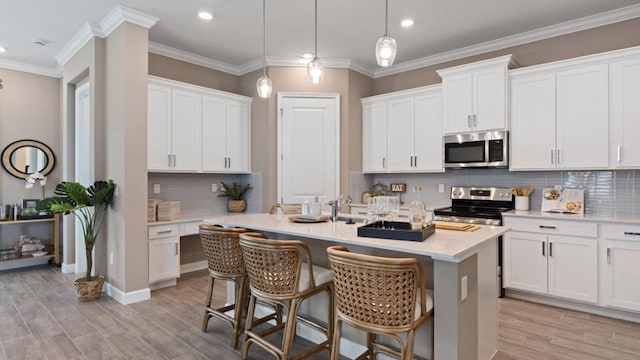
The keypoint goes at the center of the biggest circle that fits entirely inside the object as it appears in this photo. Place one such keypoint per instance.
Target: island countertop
(444, 245)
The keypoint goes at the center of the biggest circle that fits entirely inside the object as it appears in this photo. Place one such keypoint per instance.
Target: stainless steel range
(478, 205)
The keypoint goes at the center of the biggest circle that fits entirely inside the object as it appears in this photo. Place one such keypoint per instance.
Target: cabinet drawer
(620, 232)
(557, 227)
(162, 231)
(190, 228)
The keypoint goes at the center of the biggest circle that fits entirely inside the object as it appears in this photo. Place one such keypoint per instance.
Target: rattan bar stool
(281, 273)
(224, 255)
(381, 296)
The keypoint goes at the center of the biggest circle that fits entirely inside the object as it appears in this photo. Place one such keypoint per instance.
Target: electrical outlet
(463, 290)
(156, 188)
(111, 258)
(214, 187)
(441, 188)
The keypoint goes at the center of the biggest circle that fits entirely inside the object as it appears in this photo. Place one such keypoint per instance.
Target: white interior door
(84, 164)
(308, 147)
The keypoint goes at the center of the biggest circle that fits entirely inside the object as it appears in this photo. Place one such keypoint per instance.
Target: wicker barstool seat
(281, 273)
(381, 296)
(224, 256)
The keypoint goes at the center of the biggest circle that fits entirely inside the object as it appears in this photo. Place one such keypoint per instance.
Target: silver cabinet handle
(552, 156)
(168, 160)
(415, 161)
(559, 156)
(609, 256)
(546, 227)
(550, 248)
(411, 161)
(164, 232)
(543, 248)
(384, 163)
(229, 162)
(469, 121)
(174, 160)
(176, 244)
(619, 153)
(632, 233)
(475, 120)
(402, 216)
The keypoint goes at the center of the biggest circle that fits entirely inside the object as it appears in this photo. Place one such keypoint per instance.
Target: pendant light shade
(386, 47)
(315, 69)
(264, 86)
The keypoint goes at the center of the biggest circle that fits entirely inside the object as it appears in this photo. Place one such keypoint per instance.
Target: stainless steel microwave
(481, 149)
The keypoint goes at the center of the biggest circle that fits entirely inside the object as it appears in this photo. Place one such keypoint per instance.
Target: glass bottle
(417, 210)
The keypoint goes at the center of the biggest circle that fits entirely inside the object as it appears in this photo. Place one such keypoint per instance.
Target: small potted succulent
(235, 193)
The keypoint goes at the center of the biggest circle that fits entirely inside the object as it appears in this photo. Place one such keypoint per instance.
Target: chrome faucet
(337, 204)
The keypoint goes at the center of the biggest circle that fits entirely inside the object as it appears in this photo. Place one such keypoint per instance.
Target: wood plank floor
(40, 318)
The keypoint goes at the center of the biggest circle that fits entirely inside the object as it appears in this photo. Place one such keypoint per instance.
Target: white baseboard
(195, 266)
(127, 298)
(68, 268)
(162, 284)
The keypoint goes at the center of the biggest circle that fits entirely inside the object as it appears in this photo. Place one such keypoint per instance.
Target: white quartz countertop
(182, 219)
(444, 245)
(585, 217)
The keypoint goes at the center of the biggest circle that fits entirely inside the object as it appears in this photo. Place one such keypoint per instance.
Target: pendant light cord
(386, 17)
(316, 28)
(264, 39)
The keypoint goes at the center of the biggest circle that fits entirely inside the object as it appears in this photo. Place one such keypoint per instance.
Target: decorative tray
(33, 217)
(395, 230)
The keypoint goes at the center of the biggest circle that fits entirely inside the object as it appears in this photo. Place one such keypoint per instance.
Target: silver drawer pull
(550, 248)
(543, 248)
(632, 233)
(362, 212)
(609, 256)
(547, 227)
(402, 216)
(164, 232)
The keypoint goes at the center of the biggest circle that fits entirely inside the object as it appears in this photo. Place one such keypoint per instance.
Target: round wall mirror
(25, 157)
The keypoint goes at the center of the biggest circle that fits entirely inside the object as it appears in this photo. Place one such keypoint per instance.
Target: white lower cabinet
(164, 252)
(621, 261)
(558, 258)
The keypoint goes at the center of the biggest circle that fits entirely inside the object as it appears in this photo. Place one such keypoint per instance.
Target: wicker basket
(236, 205)
(89, 290)
(168, 210)
(152, 209)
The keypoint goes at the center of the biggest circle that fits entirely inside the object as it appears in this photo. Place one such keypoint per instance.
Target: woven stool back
(222, 249)
(273, 266)
(376, 292)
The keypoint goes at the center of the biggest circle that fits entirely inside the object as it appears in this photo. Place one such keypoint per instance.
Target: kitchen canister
(5, 212)
(522, 203)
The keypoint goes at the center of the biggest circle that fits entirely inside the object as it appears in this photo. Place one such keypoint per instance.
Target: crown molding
(605, 18)
(87, 32)
(50, 71)
(192, 58)
(122, 14)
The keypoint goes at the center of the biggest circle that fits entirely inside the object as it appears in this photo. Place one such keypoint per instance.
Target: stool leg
(335, 345)
(207, 304)
(238, 310)
(407, 351)
(289, 328)
(248, 327)
(370, 340)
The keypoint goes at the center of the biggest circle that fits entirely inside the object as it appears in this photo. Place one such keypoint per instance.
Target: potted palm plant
(89, 205)
(236, 193)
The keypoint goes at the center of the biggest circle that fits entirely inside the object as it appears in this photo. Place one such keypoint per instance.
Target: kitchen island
(464, 270)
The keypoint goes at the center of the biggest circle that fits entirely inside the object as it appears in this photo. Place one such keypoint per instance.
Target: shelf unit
(54, 242)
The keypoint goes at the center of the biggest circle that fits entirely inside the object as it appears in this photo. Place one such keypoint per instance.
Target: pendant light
(263, 85)
(315, 69)
(386, 46)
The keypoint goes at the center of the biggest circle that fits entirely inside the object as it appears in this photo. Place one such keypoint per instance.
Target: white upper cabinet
(474, 96)
(402, 131)
(625, 114)
(559, 120)
(195, 129)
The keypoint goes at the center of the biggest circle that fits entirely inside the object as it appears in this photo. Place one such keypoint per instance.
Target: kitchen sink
(351, 219)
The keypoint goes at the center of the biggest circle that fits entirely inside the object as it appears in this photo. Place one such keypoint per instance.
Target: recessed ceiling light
(307, 55)
(407, 23)
(205, 15)
(2, 49)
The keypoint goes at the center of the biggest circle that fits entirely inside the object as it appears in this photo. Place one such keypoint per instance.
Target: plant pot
(89, 290)
(236, 205)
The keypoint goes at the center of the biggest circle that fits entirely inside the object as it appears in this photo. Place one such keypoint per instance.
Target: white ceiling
(347, 29)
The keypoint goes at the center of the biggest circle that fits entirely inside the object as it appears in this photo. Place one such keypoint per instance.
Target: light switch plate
(214, 187)
(156, 188)
(441, 188)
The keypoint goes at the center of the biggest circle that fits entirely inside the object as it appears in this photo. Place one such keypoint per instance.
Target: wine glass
(394, 206)
(372, 209)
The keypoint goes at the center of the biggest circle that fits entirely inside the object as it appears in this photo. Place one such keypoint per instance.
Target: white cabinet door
(428, 132)
(214, 130)
(533, 122)
(582, 118)
(158, 127)
(621, 255)
(525, 261)
(489, 99)
(186, 130)
(238, 136)
(457, 103)
(164, 258)
(374, 137)
(573, 267)
(625, 114)
(400, 134)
